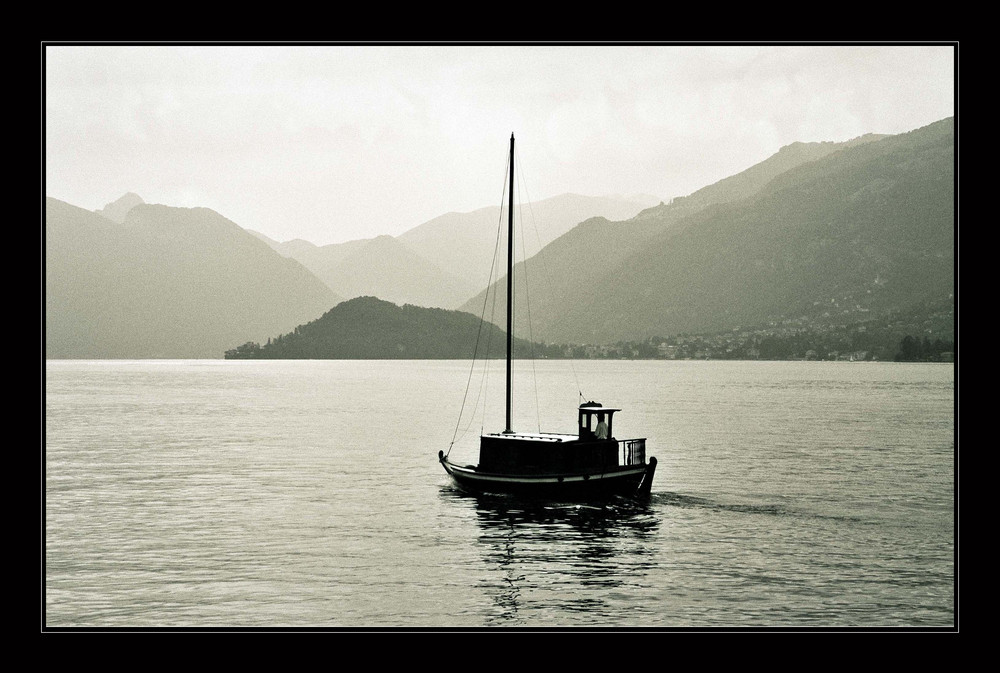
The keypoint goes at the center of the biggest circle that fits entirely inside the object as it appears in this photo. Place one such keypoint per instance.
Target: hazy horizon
(334, 143)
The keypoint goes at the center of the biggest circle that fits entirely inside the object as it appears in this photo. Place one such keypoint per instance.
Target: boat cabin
(534, 453)
(592, 414)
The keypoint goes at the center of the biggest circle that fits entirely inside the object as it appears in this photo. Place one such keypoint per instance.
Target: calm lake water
(308, 494)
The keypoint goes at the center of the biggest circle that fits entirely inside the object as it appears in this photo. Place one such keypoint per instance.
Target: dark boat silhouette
(588, 464)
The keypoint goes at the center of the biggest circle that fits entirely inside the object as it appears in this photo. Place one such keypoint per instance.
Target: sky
(334, 143)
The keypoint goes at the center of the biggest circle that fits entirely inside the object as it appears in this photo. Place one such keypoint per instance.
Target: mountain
(314, 257)
(165, 283)
(382, 267)
(462, 243)
(747, 183)
(369, 328)
(444, 261)
(295, 248)
(573, 260)
(387, 268)
(865, 228)
(118, 209)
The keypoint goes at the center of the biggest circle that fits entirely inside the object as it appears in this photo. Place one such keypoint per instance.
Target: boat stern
(646, 484)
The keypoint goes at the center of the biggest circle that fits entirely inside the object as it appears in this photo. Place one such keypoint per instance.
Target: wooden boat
(588, 464)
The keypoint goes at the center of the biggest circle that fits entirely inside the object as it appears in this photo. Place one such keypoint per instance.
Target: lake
(213, 493)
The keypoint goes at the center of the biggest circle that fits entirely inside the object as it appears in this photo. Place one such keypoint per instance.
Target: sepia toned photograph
(499, 337)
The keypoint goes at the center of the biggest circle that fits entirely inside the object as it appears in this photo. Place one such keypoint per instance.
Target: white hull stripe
(471, 474)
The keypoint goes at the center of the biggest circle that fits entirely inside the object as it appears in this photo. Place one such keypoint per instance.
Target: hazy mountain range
(165, 282)
(380, 267)
(839, 231)
(445, 261)
(834, 230)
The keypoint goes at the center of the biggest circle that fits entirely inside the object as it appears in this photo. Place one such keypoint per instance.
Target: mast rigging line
(547, 273)
(479, 333)
(510, 171)
(527, 301)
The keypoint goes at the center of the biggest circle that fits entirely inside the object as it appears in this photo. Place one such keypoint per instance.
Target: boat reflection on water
(550, 559)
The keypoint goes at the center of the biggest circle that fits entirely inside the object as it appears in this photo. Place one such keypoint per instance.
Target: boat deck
(534, 436)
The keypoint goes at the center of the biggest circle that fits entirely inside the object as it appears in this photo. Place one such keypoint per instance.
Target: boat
(591, 463)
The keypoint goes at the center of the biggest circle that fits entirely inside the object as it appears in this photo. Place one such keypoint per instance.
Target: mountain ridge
(167, 282)
(673, 272)
(372, 328)
(118, 210)
(448, 256)
(818, 231)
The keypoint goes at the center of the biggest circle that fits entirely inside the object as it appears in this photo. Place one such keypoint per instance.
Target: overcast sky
(331, 143)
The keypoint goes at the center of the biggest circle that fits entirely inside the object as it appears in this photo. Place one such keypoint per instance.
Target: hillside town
(927, 336)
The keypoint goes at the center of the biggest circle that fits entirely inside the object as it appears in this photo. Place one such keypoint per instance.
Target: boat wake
(690, 501)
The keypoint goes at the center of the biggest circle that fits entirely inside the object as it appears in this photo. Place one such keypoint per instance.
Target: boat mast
(510, 280)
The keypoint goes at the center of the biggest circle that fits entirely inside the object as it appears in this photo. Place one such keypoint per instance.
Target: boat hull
(631, 481)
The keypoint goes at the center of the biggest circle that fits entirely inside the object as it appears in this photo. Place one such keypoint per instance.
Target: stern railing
(631, 452)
